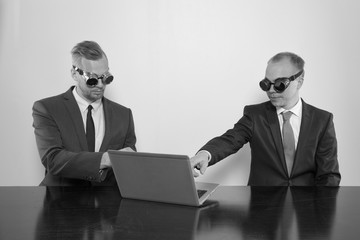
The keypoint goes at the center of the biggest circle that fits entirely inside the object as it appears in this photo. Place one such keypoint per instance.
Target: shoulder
(55, 100)
(260, 107)
(115, 106)
(315, 111)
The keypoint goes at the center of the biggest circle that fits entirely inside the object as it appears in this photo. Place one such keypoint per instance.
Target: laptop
(158, 177)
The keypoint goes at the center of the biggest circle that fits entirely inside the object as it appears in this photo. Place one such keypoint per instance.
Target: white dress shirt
(97, 115)
(295, 119)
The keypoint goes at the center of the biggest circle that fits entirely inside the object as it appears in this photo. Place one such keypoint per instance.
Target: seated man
(74, 130)
(292, 142)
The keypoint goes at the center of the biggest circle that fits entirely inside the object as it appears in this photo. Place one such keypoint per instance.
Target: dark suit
(62, 145)
(315, 161)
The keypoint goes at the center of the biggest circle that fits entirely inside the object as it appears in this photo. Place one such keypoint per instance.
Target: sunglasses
(280, 84)
(92, 79)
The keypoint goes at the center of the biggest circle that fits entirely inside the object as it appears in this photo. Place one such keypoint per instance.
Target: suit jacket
(315, 160)
(61, 140)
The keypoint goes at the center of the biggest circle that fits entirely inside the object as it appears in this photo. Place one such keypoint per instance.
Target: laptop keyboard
(201, 192)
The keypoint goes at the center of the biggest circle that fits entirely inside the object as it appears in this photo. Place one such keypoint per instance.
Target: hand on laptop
(127, 149)
(105, 160)
(200, 161)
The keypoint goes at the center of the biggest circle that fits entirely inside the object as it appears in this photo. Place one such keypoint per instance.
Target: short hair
(87, 49)
(296, 60)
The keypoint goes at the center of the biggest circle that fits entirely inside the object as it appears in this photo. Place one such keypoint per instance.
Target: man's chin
(96, 96)
(275, 102)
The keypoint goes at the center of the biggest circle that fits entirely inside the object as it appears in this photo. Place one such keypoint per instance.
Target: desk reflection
(69, 214)
(274, 213)
(78, 213)
(150, 220)
(231, 213)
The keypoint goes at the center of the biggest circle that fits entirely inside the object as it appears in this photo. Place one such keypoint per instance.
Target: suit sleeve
(56, 158)
(326, 157)
(232, 140)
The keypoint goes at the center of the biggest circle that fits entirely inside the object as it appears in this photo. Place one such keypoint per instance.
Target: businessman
(75, 129)
(292, 142)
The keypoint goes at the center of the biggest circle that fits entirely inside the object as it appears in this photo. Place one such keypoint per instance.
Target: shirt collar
(296, 110)
(83, 104)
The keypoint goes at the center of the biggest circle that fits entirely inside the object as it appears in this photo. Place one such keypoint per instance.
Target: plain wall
(185, 68)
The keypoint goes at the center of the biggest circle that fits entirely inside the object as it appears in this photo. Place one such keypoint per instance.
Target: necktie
(90, 130)
(288, 141)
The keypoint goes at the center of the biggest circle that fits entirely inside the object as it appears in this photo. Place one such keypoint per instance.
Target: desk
(231, 213)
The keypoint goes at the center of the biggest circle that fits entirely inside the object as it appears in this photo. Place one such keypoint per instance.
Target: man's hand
(127, 149)
(105, 159)
(200, 161)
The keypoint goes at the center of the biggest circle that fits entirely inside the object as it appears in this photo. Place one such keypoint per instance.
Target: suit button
(290, 182)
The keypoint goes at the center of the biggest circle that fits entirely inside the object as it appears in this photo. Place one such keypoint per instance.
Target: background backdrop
(185, 68)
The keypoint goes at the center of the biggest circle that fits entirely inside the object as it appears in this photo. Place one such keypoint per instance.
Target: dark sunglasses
(92, 79)
(280, 84)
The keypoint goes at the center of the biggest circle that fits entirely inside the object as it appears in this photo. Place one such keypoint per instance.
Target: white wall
(185, 68)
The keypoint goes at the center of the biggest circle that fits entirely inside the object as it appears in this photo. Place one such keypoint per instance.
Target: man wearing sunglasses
(292, 142)
(75, 129)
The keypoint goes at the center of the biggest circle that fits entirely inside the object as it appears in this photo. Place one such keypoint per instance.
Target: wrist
(105, 161)
(205, 153)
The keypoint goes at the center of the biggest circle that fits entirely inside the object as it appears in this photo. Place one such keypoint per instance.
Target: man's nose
(271, 89)
(100, 83)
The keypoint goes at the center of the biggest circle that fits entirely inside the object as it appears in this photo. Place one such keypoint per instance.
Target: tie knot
(90, 108)
(286, 115)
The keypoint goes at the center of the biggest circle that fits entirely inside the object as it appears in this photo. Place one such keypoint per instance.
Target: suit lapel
(304, 130)
(75, 116)
(276, 133)
(108, 115)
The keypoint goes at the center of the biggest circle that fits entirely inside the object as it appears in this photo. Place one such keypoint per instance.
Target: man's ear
(300, 82)
(73, 74)
(301, 79)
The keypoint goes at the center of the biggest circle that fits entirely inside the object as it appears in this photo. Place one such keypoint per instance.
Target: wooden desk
(232, 213)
